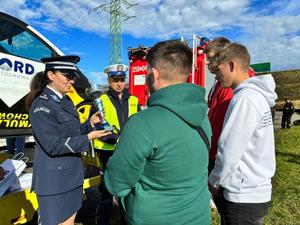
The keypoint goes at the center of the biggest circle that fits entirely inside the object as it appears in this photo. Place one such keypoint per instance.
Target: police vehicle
(21, 50)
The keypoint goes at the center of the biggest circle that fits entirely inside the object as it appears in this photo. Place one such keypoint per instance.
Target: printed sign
(14, 120)
(15, 77)
(139, 80)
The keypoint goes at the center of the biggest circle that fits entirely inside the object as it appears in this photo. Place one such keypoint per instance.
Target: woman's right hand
(98, 134)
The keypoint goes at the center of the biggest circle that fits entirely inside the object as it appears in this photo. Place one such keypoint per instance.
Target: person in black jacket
(60, 138)
(118, 106)
(288, 111)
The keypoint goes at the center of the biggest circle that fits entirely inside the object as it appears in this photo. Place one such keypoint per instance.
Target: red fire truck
(138, 68)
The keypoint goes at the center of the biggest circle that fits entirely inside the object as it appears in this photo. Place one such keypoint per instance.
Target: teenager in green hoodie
(159, 167)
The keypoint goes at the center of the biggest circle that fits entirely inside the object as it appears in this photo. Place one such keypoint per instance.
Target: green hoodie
(160, 163)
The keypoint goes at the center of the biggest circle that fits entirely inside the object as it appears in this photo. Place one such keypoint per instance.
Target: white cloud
(50, 24)
(96, 77)
(19, 8)
(270, 30)
(183, 17)
(273, 39)
(78, 14)
(75, 53)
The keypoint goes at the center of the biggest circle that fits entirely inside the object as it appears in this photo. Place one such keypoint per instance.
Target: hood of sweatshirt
(185, 100)
(264, 84)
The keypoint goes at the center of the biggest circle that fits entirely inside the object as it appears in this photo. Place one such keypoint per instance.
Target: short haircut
(216, 45)
(237, 52)
(172, 58)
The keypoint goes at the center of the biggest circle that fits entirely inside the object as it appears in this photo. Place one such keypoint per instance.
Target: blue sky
(270, 29)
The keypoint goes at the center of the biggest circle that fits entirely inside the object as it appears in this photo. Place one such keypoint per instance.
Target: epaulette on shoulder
(55, 98)
(44, 97)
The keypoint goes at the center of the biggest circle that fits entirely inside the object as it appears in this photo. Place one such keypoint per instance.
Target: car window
(17, 41)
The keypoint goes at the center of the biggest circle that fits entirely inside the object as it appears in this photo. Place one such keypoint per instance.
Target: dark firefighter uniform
(58, 169)
(117, 111)
(288, 111)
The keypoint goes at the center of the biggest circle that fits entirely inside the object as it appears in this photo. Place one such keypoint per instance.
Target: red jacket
(218, 101)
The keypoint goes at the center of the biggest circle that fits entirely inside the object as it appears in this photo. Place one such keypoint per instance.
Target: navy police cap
(66, 63)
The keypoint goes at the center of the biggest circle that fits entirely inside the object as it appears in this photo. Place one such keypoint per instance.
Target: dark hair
(171, 58)
(37, 85)
(234, 51)
(216, 45)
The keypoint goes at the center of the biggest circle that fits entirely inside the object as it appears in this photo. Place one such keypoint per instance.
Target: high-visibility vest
(111, 117)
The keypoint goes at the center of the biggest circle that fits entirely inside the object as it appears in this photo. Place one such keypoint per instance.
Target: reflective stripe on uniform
(133, 103)
(68, 146)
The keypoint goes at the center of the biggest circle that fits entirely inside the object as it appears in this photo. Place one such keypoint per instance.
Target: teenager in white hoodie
(245, 161)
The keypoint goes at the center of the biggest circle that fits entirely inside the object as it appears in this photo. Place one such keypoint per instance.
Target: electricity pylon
(116, 14)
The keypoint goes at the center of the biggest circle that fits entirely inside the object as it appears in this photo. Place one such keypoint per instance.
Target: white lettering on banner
(136, 69)
(15, 76)
(38, 109)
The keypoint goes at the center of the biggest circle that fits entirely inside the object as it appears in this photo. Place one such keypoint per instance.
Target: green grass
(285, 208)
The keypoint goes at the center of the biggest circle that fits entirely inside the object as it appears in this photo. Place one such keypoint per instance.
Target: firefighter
(288, 111)
(118, 105)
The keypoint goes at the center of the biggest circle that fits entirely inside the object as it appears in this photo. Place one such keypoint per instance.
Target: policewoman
(118, 106)
(60, 138)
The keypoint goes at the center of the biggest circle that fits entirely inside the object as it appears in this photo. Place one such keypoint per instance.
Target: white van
(21, 50)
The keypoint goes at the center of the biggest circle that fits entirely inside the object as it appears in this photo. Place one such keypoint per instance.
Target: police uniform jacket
(288, 109)
(59, 138)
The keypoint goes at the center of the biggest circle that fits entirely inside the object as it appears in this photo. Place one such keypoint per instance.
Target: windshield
(17, 41)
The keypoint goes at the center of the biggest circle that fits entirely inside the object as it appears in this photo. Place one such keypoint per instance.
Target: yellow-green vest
(111, 117)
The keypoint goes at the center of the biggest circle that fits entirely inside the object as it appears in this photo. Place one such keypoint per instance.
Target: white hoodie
(245, 160)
